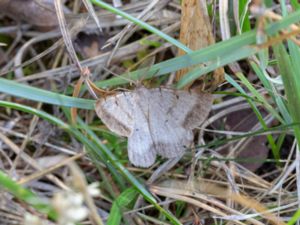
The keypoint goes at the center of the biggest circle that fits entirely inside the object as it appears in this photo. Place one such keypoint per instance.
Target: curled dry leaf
(39, 13)
(196, 33)
(157, 121)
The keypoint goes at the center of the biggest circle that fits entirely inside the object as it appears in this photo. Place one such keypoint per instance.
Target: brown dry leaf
(38, 13)
(196, 33)
(255, 149)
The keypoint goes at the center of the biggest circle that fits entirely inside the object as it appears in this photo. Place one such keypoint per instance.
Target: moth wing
(140, 151)
(171, 141)
(116, 112)
(190, 108)
(169, 138)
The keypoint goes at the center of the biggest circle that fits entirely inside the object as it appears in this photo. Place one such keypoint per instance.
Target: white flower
(30, 219)
(70, 208)
(93, 189)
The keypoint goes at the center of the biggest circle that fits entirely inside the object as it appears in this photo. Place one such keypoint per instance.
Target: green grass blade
(25, 195)
(220, 142)
(123, 201)
(111, 159)
(294, 218)
(290, 76)
(219, 62)
(260, 98)
(277, 98)
(295, 4)
(96, 157)
(244, 15)
(142, 24)
(255, 109)
(36, 94)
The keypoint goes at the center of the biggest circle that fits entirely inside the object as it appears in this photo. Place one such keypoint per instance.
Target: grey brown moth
(157, 121)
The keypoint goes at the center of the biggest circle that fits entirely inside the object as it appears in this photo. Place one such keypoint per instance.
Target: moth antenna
(143, 65)
(90, 89)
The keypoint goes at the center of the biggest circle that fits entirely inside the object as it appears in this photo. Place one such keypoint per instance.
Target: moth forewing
(116, 113)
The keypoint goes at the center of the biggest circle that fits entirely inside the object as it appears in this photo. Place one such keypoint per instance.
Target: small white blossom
(70, 208)
(30, 219)
(93, 189)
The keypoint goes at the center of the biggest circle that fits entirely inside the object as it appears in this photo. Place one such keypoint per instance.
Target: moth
(157, 121)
